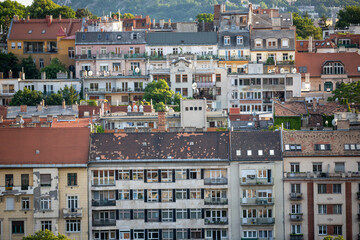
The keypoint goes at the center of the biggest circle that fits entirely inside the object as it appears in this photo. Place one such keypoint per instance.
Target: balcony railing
(296, 216)
(216, 221)
(8, 190)
(72, 212)
(134, 55)
(206, 57)
(100, 223)
(112, 90)
(216, 201)
(256, 181)
(258, 221)
(297, 175)
(296, 196)
(354, 45)
(96, 203)
(257, 201)
(296, 237)
(234, 58)
(215, 181)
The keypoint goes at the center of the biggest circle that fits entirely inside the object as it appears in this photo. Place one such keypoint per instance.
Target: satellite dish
(294, 70)
(137, 70)
(334, 122)
(194, 86)
(90, 73)
(282, 70)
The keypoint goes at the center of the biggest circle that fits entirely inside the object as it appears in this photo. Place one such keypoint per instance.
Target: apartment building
(8, 87)
(321, 184)
(166, 186)
(256, 186)
(40, 188)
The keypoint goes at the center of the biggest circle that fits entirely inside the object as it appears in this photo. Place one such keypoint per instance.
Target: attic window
(118, 37)
(99, 36)
(238, 152)
(260, 152)
(107, 36)
(191, 143)
(37, 151)
(272, 152)
(83, 37)
(43, 31)
(144, 144)
(30, 31)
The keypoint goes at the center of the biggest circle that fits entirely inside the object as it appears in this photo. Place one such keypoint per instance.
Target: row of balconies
(258, 221)
(72, 212)
(322, 175)
(112, 90)
(256, 181)
(104, 56)
(257, 201)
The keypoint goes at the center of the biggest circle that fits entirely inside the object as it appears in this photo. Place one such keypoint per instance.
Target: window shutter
(116, 175)
(131, 176)
(145, 195)
(187, 173)
(117, 215)
(188, 213)
(159, 198)
(173, 175)
(188, 233)
(146, 234)
(330, 230)
(145, 175)
(328, 147)
(131, 234)
(188, 193)
(131, 214)
(174, 215)
(329, 209)
(174, 234)
(160, 217)
(202, 193)
(159, 175)
(329, 188)
(131, 194)
(160, 234)
(117, 194)
(202, 233)
(203, 213)
(174, 195)
(202, 173)
(145, 215)
(117, 234)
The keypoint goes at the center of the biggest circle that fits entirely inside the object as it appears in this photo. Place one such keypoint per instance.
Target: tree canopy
(53, 68)
(29, 67)
(9, 62)
(348, 15)
(84, 12)
(26, 97)
(45, 235)
(347, 92)
(41, 8)
(305, 27)
(206, 17)
(8, 9)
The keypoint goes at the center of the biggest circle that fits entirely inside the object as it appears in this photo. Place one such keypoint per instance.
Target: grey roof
(109, 38)
(265, 21)
(12, 112)
(182, 38)
(233, 35)
(277, 34)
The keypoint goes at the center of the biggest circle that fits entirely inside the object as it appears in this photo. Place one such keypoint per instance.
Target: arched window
(333, 68)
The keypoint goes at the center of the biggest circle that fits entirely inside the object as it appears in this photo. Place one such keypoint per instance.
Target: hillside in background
(186, 10)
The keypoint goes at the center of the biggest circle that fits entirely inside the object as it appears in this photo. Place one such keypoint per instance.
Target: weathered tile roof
(308, 139)
(290, 109)
(54, 145)
(329, 108)
(255, 140)
(152, 146)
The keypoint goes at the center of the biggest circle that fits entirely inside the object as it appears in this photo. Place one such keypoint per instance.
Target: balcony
(258, 221)
(113, 90)
(134, 55)
(72, 212)
(215, 201)
(16, 190)
(348, 45)
(106, 202)
(297, 175)
(156, 57)
(104, 223)
(216, 221)
(216, 181)
(296, 237)
(234, 58)
(296, 216)
(296, 196)
(257, 201)
(206, 57)
(85, 56)
(205, 84)
(256, 181)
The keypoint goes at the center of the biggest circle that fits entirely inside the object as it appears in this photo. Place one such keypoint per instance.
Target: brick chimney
(23, 108)
(35, 118)
(39, 107)
(49, 118)
(49, 19)
(63, 104)
(1, 118)
(162, 121)
(10, 74)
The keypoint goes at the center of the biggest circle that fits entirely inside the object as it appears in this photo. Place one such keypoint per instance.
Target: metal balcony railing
(256, 181)
(105, 202)
(216, 201)
(215, 181)
(216, 221)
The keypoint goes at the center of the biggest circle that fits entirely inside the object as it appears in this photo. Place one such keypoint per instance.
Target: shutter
(174, 195)
(117, 234)
(159, 192)
(173, 175)
(160, 217)
(131, 176)
(160, 234)
(188, 233)
(146, 234)
(329, 188)
(159, 175)
(174, 234)
(145, 175)
(131, 194)
(116, 175)
(188, 213)
(117, 194)
(131, 234)
(330, 230)
(174, 215)
(131, 214)
(188, 193)
(145, 215)
(202, 193)
(117, 215)
(145, 195)
(187, 173)
(202, 173)
(202, 233)
(329, 209)
(328, 147)
(202, 213)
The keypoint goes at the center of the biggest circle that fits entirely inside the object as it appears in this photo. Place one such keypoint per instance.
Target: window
(321, 188)
(239, 40)
(138, 214)
(333, 68)
(272, 152)
(322, 208)
(167, 215)
(180, 174)
(338, 230)
(45, 180)
(195, 194)
(124, 175)
(9, 181)
(152, 195)
(238, 152)
(152, 175)
(285, 56)
(72, 202)
(178, 78)
(124, 194)
(285, 43)
(104, 67)
(72, 179)
(295, 188)
(184, 78)
(249, 234)
(138, 174)
(322, 230)
(195, 213)
(322, 147)
(258, 43)
(124, 214)
(181, 233)
(25, 203)
(166, 175)
(134, 65)
(181, 214)
(295, 208)
(295, 167)
(73, 225)
(138, 194)
(116, 67)
(45, 203)
(166, 195)
(249, 152)
(153, 215)
(271, 43)
(260, 152)
(175, 50)
(9, 203)
(181, 194)
(295, 229)
(103, 177)
(303, 69)
(19, 45)
(292, 147)
(195, 233)
(13, 45)
(195, 174)
(339, 167)
(317, 167)
(167, 234)
(17, 227)
(336, 188)
(337, 209)
(218, 77)
(153, 234)
(45, 225)
(71, 52)
(226, 40)
(124, 235)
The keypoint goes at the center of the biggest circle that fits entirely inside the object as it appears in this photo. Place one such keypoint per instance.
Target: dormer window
(333, 68)
(43, 31)
(118, 37)
(271, 43)
(239, 40)
(107, 36)
(83, 37)
(99, 36)
(226, 40)
(30, 32)
(134, 36)
(344, 41)
(285, 43)
(258, 43)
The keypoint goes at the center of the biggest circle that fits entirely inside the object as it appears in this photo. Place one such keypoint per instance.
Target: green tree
(26, 97)
(347, 93)
(305, 27)
(29, 67)
(84, 12)
(8, 9)
(64, 11)
(41, 8)
(263, 5)
(69, 94)
(323, 20)
(46, 235)
(53, 68)
(9, 62)
(348, 15)
(206, 17)
(54, 99)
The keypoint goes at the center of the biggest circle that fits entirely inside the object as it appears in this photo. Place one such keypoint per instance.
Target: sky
(25, 2)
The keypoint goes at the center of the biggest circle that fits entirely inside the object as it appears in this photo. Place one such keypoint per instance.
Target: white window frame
(45, 203)
(73, 225)
(152, 175)
(153, 195)
(181, 213)
(25, 203)
(167, 195)
(226, 40)
(167, 215)
(239, 40)
(166, 175)
(322, 230)
(138, 174)
(72, 202)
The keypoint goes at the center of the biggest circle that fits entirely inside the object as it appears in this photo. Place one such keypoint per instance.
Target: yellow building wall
(234, 65)
(81, 191)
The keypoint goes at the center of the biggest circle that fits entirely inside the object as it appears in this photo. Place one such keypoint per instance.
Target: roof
(290, 109)
(277, 34)
(233, 35)
(79, 122)
(41, 30)
(315, 61)
(110, 38)
(255, 140)
(44, 146)
(308, 139)
(329, 108)
(266, 21)
(181, 38)
(13, 111)
(152, 146)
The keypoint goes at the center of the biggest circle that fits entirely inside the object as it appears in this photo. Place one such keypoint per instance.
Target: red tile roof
(20, 29)
(290, 109)
(329, 108)
(54, 145)
(79, 122)
(315, 61)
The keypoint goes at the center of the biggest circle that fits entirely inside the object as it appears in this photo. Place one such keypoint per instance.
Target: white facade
(184, 49)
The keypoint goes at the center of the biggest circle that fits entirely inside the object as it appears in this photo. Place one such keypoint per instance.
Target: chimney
(10, 74)
(63, 104)
(16, 18)
(19, 119)
(133, 104)
(35, 118)
(43, 103)
(161, 23)
(28, 18)
(39, 107)
(50, 118)
(22, 75)
(60, 17)
(162, 121)
(71, 75)
(314, 102)
(75, 107)
(217, 9)
(153, 23)
(1, 118)
(23, 108)
(49, 19)
(43, 75)
(169, 22)
(310, 45)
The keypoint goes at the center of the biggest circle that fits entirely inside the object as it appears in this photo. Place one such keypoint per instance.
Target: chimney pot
(50, 118)
(39, 108)
(162, 121)
(43, 75)
(10, 74)
(63, 104)
(23, 108)
(19, 119)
